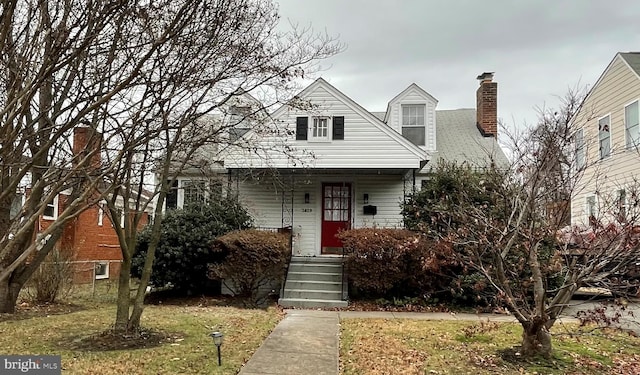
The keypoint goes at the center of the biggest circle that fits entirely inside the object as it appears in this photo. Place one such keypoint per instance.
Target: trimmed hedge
(253, 261)
(393, 262)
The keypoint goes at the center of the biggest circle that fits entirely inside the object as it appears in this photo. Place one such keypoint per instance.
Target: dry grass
(448, 347)
(185, 349)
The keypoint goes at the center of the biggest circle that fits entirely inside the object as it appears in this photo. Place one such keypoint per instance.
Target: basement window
(102, 270)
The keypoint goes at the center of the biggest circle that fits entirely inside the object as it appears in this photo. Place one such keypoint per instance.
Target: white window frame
(580, 149)
(622, 203)
(601, 139)
(104, 275)
(313, 129)
(404, 125)
(53, 203)
(628, 137)
(587, 207)
(182, 182)
(101, 213)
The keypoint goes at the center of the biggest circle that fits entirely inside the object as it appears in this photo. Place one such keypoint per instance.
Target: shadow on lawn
(29, 310)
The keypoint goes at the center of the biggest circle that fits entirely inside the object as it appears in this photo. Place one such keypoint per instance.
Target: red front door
(336, 215)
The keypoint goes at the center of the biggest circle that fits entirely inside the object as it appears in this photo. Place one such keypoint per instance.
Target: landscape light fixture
(217, 340)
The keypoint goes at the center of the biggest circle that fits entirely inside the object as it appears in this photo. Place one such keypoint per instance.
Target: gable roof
(630, 60)
(374, 120)
(460, 141)
(412, 86)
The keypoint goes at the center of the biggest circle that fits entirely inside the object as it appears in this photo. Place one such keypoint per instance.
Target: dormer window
(238, 122)
(413, 123)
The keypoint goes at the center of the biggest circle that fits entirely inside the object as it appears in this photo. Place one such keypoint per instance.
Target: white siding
(617, 88)
(264, 201)
(368, 143)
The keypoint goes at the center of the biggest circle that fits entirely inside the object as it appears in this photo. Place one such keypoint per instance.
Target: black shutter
(172, 196)
(302, 124)
(338, 127)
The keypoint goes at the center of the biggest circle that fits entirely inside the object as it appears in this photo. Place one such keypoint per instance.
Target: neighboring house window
(580, 149)
(320, 129)
(51, 211)
(604, 136)
(16, 206)
(100, 213)
(591, 209)
(632, 124)
(102, 270)
(238, 123)
(622, 205)
(194, 191)
(413, 123)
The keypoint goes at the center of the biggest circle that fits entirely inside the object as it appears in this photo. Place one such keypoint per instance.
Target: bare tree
(177, 120)
(508, 224)
(136, 73)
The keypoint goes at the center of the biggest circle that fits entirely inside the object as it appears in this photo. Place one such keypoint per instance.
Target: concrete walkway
(307, 341)
(304, 342)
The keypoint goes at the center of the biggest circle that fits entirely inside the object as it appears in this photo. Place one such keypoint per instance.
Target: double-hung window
(580, 150)
(320, 129)
(591, 209)
(194, 191)
(622, 205)
(413, 123)
(604, 136)
(51, 210)
(632, 124)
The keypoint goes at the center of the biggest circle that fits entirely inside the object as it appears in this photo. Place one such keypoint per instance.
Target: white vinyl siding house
(611, 161)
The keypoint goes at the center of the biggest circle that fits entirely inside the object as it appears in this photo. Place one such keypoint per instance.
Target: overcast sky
(537, 49)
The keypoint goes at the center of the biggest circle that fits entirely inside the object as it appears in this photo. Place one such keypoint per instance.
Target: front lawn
(184, 346)
(376, 346)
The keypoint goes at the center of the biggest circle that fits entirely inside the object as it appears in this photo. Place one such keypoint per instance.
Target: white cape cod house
(334, 165)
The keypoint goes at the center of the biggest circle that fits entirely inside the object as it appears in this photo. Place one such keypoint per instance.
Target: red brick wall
(487, 108)
(89, 241)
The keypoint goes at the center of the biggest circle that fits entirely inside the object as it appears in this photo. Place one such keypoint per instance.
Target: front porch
(317, 205)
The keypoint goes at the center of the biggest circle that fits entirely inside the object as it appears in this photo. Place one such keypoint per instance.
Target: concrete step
(310, 303)
(315, 267)
(313, 294)
(315, 276)
(325, 260)
(313, 285)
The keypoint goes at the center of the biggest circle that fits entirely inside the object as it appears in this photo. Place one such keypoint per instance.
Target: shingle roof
(379, 115)
(459, 140)
(633, 59)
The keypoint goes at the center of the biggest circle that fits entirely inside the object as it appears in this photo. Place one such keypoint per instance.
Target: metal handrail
(286, 268)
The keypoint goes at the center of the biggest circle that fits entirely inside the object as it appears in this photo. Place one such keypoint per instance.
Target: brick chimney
(86, 139)
(487, 105)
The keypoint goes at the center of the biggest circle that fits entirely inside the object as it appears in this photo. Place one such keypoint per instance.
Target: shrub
(396, 263)
(184, 250)
(53, 279)
(253, 260)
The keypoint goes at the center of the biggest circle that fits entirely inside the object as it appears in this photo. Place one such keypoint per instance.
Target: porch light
(218, 337)
(366, 198)
(306, 197)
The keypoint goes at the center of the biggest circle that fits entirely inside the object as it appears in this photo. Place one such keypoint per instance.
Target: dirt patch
(109, 340)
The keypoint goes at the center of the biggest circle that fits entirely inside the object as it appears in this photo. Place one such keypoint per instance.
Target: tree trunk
(124, 297)
(9, 296)
(536, 339)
